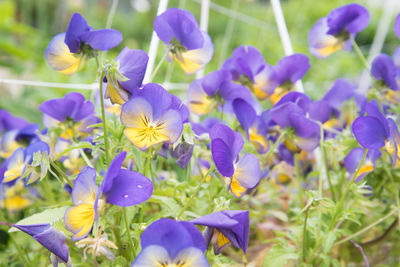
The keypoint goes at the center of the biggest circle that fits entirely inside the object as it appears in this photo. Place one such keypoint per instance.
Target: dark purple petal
(234, 224)
(48, 237)
(129, 188)
(27, 133)
(305, 129)
(76, 27)
(132, 64)
(196, 235)
(300, 99)
(280, 114)
(102, 40)
(320, 111)
(372, 109)
(340, 91)
(291, 68)
(170, 234)
(369, 132)
(384, 69)
(222, 157)
(183, 152)
(9, 122)
(112, 172)
(180, 25)
(232, 139)
(351, 18)
(35, 147)
(231, 90)
(244, 112)
(213, 81)
(204, 126)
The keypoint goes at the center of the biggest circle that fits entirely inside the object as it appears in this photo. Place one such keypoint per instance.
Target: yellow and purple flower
(248, 66)
(254, 125)
(187, 43)
(225, 228)
(333, 32)
(126, 76)
(49, 237)
(244, 172)
(384, 70)
(153, 116)
(119, 187)
(66, 50)
(167, 242)
(353, 160)
(213, 91)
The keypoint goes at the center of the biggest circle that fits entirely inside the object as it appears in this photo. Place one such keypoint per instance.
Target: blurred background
(27, 26)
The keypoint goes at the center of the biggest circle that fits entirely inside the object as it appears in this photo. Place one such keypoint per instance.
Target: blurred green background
(27, 26)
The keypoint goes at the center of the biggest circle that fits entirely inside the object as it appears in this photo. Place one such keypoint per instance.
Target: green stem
(203, 178)
(343, 197)
(359, 53)
(272, 148)
(116, 230)
(396, 190)
(103, 117)
(299, 178)
(221, 118)
(325, 165)
(20, 254)
(147, 168)
(60, 172)
(127, 230)
(158, 66)
(305, 234)
(367, 227)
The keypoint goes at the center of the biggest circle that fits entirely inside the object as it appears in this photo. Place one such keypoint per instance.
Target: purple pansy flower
(9, 122)
(383, 69)
(225, 228)
(187, 44)
(79, 39)
(248, 66)
(288, 71)
(245, 172)
(153, 116)
(183, 152)
(167, 242)
(353, 160)
(214, 90)
(253, 124)
(375, 131)
(119, 187)
(131, 64)
(204, 126)
(49, 237)
(333, 32)
(71, 107)
(296, 110)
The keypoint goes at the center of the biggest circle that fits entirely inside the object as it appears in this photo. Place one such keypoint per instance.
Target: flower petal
(102, 40)
(79, 220)
(59, 57)
(369, 132)
(85, 189)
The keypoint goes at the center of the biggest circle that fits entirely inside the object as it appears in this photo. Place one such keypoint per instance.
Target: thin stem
(60, 172)
(221, 118)
(127, 230)
(103, 117)
(359, 53)
(383, 236)
(111, 14)
(367, 227)
(362, 253)
(343, 197)
(158, 66)
(305, 233)
(272, 148)
(203, 178)
(299, 177)
(20, 254)
(325, 164)
(85, 158)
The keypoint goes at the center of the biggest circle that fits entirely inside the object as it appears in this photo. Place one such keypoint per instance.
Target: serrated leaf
(328, 242)
(50, 216)
(279, 256)
(169, 202)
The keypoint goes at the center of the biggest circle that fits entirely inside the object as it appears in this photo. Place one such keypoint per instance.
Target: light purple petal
(102, 40)
(222, 157)
(244, 112)
(369, 132)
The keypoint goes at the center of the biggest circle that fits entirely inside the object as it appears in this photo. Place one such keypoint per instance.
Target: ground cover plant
(242, 169)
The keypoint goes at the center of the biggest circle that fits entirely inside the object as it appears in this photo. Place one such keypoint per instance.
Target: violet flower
(66, 50)
(225, 228)
(247, 66)
(49, 237)
(119, 187)
(245, 172)
(375, 131)
(353, 160)
(126, 76)
(187, 43)
(384, 70)
(333, 32)
(253, 124)
(153, 116)
(167, 242)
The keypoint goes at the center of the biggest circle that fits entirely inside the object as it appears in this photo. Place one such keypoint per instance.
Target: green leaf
(328, 241)
(170, 203)
(50, 216)
(279, 256)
